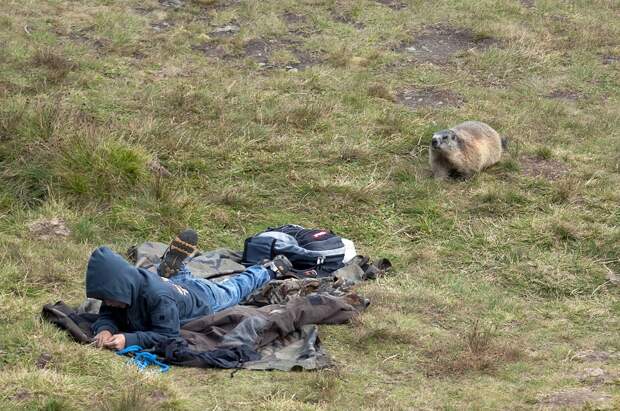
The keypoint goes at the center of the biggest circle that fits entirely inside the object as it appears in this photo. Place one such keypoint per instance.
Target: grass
(499, 280)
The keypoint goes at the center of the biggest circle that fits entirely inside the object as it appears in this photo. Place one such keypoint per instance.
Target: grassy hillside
(128, 120)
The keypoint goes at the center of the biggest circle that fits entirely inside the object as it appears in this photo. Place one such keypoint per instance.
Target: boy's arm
(165, 324)
(105, 321)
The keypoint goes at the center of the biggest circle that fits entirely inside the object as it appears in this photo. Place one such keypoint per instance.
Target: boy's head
(110, 278)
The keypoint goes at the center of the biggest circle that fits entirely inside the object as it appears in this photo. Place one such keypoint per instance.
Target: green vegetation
(319, 112)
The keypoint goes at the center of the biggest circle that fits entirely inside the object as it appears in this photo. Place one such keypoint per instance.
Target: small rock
(43, 360)
(231, 28)
(48, 229)
(411, 49)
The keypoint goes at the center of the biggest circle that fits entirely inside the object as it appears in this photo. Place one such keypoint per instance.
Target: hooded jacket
(155, 307)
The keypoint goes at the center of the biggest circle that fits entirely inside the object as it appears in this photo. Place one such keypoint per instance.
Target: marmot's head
(445, 140)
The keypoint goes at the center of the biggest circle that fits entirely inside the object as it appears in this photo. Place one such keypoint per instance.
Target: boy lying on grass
(142, 308)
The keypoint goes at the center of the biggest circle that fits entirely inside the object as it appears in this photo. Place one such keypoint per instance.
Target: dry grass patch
(477, 350)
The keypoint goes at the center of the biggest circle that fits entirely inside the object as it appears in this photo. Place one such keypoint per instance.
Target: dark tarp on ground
(281, 337)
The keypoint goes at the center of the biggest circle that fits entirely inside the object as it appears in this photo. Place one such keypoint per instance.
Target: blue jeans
(227, 293)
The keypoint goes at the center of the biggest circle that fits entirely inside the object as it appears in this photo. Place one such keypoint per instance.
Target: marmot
(465, 149)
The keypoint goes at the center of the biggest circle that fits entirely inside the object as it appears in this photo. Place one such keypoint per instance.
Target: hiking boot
(182, 247)
(280, 265)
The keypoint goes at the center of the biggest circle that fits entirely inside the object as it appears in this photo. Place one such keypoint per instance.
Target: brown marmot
(465, 149)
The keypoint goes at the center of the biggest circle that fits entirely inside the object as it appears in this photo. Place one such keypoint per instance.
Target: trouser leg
(234, 290)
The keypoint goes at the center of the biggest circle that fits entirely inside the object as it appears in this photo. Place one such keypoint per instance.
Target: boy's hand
(102, 338)
(116, 342)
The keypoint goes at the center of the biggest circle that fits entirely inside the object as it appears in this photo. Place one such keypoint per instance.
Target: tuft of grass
(56, 66)
(544, 153)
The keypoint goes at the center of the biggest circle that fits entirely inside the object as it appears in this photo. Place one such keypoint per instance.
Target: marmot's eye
(445, 137)
(453, 137)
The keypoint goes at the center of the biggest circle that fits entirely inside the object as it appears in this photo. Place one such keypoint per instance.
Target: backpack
(314, 252)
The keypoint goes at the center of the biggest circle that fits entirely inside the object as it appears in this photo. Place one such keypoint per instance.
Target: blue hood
(110, 277)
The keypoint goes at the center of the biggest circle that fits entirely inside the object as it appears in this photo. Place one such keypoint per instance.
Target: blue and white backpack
(309, 250)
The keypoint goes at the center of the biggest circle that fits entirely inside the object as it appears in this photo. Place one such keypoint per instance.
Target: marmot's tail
(505, 143)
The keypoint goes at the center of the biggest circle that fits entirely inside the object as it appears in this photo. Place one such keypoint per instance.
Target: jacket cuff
(130, 339)
(110, 328)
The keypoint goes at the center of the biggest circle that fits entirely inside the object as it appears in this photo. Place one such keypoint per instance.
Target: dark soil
(257, 50)
(436, 44)
(393, 4)
(415, 98)
(292, 18)
(565, 94)
(527, 3)
(545, 168)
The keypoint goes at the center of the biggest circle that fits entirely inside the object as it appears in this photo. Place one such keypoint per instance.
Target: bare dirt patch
(596, 376)
(545, 168)
(393, 4)
(258, 50)
(261, 51)
(592, 356)
(576, 397)
(22, 395)
(437, 44)
(565, 94)
(293, 18)
(415, 98)
(46, 229)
